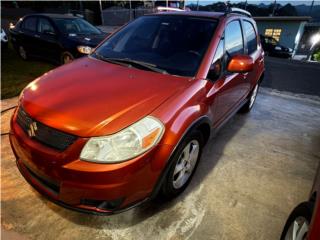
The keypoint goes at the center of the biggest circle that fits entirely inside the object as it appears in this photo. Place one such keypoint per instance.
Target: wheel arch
(313, 196)
(202, 124)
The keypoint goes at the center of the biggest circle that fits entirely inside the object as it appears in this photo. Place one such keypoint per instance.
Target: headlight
(85, 49)
(126, 144)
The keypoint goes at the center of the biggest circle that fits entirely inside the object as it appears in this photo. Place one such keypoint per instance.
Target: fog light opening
(103, 205)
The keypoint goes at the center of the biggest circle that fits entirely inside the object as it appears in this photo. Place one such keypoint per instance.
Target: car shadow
(211, 155)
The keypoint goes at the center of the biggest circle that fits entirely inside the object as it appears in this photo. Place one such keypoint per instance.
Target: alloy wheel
(253, 95)
(67, 59)
(298, 229)
(186, 164)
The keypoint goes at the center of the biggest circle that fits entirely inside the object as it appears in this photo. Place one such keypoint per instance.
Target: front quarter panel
(180, 113)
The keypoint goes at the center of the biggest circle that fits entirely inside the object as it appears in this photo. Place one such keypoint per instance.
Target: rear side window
(251, 37)
(44, 26)
(233, 38)
(30, 24)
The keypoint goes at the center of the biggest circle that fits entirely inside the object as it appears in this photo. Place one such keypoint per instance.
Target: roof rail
(240, 11)
(169, 9)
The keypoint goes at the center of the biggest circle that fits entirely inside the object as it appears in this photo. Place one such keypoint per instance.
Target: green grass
(17, 73)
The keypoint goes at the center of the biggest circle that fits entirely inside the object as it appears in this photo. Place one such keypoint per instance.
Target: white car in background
(4, 39)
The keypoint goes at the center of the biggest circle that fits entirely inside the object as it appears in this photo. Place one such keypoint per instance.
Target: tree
(286, 10)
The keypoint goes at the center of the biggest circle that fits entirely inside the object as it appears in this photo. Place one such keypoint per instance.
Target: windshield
(75, 26)
(175, 44)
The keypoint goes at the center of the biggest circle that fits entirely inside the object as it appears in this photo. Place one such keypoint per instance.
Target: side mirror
(240, 64)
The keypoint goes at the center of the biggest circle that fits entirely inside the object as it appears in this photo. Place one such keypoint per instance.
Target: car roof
(192, 14)
(53, 15)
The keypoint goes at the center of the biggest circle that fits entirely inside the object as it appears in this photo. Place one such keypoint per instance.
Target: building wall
(289, 30)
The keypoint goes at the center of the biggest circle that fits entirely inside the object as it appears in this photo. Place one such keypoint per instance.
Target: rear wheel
(250, 100)
(297, 225)
(183, 165)
(66, 57)
(22, 53)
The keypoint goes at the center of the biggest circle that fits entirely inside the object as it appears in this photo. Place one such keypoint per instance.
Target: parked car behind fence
(55, 37)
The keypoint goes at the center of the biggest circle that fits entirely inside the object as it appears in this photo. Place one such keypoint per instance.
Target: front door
(48, 41)
(29, 36)
(231, 88)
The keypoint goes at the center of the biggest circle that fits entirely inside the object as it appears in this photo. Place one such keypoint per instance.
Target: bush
(316, 55)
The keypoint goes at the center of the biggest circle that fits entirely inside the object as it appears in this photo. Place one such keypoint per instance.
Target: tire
(174, 183)
(301, 217)
(250, 100)
(66, 57)
(22, 52)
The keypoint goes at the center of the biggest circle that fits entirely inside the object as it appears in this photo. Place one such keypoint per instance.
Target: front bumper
(85, 186)
(89, 209)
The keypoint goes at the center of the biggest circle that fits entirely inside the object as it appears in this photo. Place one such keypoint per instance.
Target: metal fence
(292, 76)
(118, 17)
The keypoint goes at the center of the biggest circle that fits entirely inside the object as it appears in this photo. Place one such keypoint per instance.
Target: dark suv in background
(55, 37)
(272, 48)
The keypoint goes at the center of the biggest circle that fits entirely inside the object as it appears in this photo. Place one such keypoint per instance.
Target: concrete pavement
(251, 175)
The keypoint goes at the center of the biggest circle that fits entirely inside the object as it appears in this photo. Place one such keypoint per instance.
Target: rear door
(48, 41)
(28, 35)
(253, 49)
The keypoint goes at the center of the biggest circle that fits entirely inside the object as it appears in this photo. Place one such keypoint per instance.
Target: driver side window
(234, 39)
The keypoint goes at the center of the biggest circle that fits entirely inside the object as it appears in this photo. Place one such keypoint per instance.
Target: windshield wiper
(145, 65)
(111, 60)
(129, 62)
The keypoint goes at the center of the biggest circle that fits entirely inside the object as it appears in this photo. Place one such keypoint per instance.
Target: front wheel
(183, 165)
(66, 57)
(250, 100)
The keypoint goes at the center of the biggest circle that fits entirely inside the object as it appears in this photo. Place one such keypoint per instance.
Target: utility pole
(130, 10)
(274, 6)
(311, 7)
(81, 6)
(101, 14)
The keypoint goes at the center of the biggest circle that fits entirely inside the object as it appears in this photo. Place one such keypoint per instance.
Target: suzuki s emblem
(32, 129)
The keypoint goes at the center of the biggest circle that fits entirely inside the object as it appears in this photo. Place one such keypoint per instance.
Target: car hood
(89, 97)
(88, 39)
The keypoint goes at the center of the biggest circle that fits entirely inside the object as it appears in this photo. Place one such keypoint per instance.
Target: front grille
(44, 134)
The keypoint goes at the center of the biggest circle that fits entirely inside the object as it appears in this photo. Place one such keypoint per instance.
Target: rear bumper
(84, 186)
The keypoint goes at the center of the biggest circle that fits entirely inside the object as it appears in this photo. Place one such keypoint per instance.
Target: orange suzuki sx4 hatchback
(128, 122)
